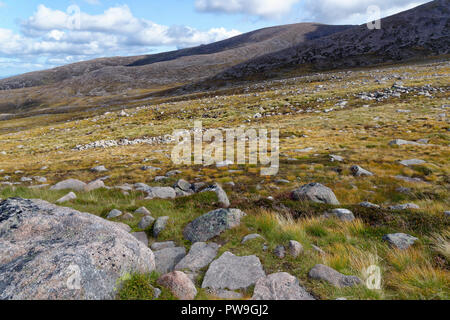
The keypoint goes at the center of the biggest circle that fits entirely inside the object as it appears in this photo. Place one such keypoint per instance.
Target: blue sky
(41, 34)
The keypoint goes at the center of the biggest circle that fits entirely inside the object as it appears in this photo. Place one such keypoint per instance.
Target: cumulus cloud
(73, 35)
(261, 8)
(350, 11)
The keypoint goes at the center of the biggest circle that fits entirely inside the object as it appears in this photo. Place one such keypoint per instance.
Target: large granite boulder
(51, 252)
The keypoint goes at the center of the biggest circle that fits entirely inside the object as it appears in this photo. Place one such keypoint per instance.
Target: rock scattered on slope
(412, 162)
(357, 171)
(200, 255)
(367, 204)
(295, 248)
(400, 240)
(67, 197)
(212, 224)
(94, 185)
(160, 193)
(280, 252)
(163, 245)
(166, 259)
(179, 284)
(143, 210)
(233, 272)
(70, 184)
(160, 225)
(52, 250)
(337, 279)
(315, 192)
(99, 169)
(141, 236)
(251, 237)
(406, 206)
(146, 222)
(280, 286)
(341, 214)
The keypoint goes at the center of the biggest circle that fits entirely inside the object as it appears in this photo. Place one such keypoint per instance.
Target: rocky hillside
(417, 33)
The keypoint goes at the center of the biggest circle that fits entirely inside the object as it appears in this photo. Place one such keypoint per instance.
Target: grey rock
(357, 171)
(318, 250)
(179, 284)
(315, 192)
(173, 173)
(43, 265)
(141, 236)
(280, 286)
(447, 213)
(200, 255)
(406, 206)
(159, 225)
(150, 168)
(142, 210)
(408, 179)
(161, 193)
(94, 185)
(123, 226)
(295, 248)
(71, 184)
(233, 272)
(367, 204)
(400, 240)
(40, 179)
(337, 279)
(146, 222)
(336, 158)
(197, 186)
(67, 197)
(212, 224)
(251, 237)
(166, 259)
(221, 194)
(156, 293)
(225, 294)
(183, 185)
(401, 142)
(141, 187)
(341, 214)
(114, 214)
(26, 179)
(163, 245)
(99, 169)
(412, 162)
(160, 178)
(280, 252)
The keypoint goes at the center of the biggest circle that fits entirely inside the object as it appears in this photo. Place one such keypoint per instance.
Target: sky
(42, 34)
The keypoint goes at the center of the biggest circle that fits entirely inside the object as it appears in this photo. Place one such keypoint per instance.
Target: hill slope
(420, 32)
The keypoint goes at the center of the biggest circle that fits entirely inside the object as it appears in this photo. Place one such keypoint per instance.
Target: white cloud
(63, 37)
(93, 2)
(261, 8)
(352, 12)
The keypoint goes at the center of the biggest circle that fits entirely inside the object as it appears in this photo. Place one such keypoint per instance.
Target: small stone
(412, 162)
(251, 237)
(280, 286)
(342, 214)
(162, 245)
(146, 222)
(401, 241)
(67, 197)
(72, 184)
(143, 210)
(367, 204)
(166, 259)
(357, 171)
(337, 279)
(295, 248)
(406, 206)
(160, 225)
(200, 255)
(179, 284)
(315, 192)
(183, 185)
(280, 252)
(99, 169)
(114, 214)
(141, 236)
(94, 185)
(336, 158)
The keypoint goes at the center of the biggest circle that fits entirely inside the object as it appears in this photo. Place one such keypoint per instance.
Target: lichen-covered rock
(51, 252)
(160, 225)
(70, 184)
(280, 286)
(315, 192)
(166, 259)
(200, 255)
(212, 224)
(401, 241)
